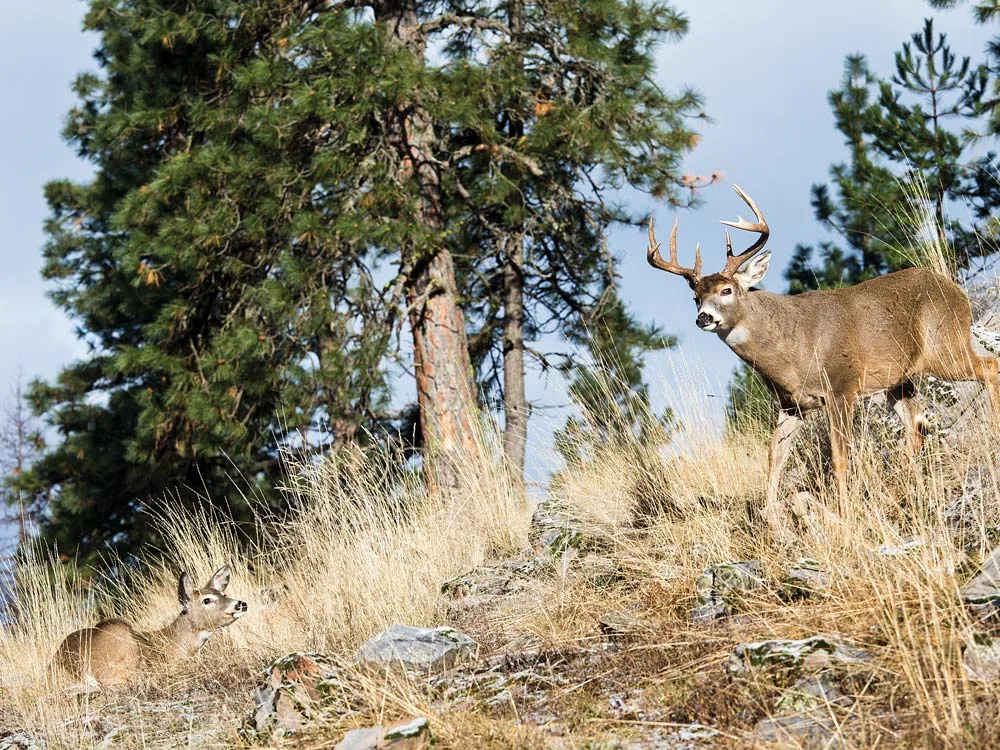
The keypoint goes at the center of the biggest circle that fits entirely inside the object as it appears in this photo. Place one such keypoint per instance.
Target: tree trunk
(515, 406)
(515, 433)
(445, 390)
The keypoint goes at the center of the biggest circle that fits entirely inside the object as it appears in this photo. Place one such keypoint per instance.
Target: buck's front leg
(788, 425)
(841, 413)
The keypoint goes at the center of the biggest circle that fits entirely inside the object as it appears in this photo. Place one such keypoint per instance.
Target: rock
(413, 734)
(816, 729)
(809, 654)
(293, 694)
(810, 693)
(981, 657)
(621, 625)
(554, 529)
(416, 648)
(719, 587)
(805, 579)
(983, 590)
(21, 741)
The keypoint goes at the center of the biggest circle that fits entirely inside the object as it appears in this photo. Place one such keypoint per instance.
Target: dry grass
(358, 552)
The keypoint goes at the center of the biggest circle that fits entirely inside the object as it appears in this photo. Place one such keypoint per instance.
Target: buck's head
(720, 297)
(208, 608)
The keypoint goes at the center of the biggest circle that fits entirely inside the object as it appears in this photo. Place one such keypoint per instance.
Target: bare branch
(466, 22)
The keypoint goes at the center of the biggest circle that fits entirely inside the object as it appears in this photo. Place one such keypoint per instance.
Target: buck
(113, 652)
(824, 349)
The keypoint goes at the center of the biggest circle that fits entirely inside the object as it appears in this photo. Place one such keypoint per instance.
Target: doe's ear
(754, 271)
(184, 590)
(219, 579)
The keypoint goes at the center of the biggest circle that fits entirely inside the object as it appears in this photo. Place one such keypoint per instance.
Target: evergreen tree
(280, 188)
(910, 139)
(218, 264)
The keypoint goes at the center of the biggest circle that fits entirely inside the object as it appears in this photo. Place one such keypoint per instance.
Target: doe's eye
(206, 601)
(726, 292)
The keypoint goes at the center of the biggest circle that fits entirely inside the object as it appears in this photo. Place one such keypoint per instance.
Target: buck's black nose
(703, 320)
(241, 606)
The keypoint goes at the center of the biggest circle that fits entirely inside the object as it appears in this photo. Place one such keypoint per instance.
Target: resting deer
(826, 348)
(112, 652)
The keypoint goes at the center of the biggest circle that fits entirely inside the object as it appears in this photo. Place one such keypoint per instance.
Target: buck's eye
(726, 291)
(207, 600)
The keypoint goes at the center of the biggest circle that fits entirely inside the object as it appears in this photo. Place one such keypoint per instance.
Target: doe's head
(721, 296)
(208, 607)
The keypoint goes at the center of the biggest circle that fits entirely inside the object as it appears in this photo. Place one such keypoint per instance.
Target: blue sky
(764, 69)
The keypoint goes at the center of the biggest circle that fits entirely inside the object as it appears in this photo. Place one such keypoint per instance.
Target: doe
(113, 652)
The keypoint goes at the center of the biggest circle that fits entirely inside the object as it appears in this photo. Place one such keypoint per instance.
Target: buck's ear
(219, 579)
(184, 590)
(754, 271)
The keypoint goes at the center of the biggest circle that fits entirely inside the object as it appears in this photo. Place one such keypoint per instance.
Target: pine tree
(907, 135)
(281, 188)
(222, 262)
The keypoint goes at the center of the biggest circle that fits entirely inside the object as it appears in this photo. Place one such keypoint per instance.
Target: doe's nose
(704, 319)
(241, 606)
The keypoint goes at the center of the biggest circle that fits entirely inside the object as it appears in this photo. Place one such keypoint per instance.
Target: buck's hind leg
(986, 370)
(970, 366)
(789, 423)
(903, 400)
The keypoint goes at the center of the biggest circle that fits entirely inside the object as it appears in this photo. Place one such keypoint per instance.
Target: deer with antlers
(823, 349)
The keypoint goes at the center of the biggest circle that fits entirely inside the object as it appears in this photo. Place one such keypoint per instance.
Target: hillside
(629, 612)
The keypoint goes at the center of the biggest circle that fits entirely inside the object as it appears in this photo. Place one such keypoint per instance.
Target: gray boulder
(21, 741)
(419, 649)
(982, 592)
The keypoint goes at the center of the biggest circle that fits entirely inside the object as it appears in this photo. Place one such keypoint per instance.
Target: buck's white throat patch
(739, 335)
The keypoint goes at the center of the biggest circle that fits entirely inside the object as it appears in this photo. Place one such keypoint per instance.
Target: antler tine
(656, 260)
(733, 262)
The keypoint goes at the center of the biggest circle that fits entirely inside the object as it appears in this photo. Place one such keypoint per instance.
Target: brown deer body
(112, 652)
(826, 348)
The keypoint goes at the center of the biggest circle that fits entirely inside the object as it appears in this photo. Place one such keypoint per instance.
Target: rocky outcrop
(805, 579)
(293, 695)
(981, 657)
(982, 592)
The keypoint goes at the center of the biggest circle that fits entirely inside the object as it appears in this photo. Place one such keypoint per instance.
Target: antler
(656, 260)
(733, 262)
